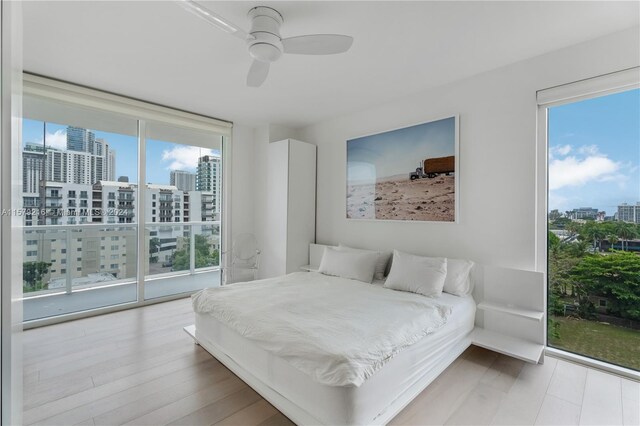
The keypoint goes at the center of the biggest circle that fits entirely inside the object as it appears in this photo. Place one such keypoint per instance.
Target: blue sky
(399, 152)
(594, 153)
(162, 157)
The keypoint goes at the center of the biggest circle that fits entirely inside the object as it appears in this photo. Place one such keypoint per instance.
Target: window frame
(602, 85)
(143, 112)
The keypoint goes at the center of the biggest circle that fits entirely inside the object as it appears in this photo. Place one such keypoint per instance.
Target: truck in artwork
(432, 167)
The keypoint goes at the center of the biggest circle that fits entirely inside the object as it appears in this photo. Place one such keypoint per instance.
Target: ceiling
(158, 52)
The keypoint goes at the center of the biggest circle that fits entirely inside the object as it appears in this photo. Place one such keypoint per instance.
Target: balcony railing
(70, 258)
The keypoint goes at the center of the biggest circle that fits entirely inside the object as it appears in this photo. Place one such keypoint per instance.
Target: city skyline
(594, 153)
(574, 208)
(169, 156)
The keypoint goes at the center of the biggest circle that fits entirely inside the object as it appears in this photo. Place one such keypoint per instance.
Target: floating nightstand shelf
(510, 315)
(511, 310)
(517, 348)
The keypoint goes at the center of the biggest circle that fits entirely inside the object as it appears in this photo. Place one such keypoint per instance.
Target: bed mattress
(357, 405)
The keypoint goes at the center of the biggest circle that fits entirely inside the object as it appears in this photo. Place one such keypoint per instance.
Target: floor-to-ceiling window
(183, 209)
(78, 190)
(121, 200)
(594, 226)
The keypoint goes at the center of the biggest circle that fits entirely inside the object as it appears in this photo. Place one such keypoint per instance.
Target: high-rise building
(629, 212)
(106, 169)
(182, 180)
(208, 178)
(33, 163)
(584, 213)
(110, 161)
(77, 167)
(79, 139)
(66, 166)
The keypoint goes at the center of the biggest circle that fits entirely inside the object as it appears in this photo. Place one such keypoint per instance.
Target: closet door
(274, 251)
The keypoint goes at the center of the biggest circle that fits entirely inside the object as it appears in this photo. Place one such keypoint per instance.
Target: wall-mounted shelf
(517, 348)
(512, 310)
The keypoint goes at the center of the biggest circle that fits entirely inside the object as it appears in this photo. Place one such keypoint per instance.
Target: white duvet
(338, 331)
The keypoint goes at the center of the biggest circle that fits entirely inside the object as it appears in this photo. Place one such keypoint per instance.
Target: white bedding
(310, 320)
(375, 402)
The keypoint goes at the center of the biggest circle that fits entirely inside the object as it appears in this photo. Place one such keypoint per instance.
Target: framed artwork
(405, 174)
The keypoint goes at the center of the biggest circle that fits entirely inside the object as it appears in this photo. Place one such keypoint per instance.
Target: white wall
(497, 156)
(11, 224)
(242, 180)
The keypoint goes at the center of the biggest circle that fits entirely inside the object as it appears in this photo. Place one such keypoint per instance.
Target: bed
(371, 385)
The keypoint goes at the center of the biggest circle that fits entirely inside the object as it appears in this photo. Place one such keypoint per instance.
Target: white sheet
(336, 330)
(338, 405)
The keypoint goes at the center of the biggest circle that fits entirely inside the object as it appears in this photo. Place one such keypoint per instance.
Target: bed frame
(300, 416)
(508, 277)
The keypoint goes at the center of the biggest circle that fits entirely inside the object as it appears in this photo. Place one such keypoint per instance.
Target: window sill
(626, 373)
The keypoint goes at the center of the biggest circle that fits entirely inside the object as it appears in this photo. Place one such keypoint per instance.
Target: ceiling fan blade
(257, 73)
(214, 19)
(317, 44)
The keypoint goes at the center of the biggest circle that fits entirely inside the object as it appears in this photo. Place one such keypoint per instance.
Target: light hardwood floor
(138, 367)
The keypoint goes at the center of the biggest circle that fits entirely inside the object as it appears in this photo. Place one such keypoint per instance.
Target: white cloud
(560, 150)
(572, 171)
(589, 150)
(55, 140)
(184, 157)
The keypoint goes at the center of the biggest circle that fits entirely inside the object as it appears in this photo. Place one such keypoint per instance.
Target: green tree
(204, 255)
(593, 232)
(554, 215)
(613, 240)
(154, 248)
(32, 274)
(562, 259)
(625, 231)
(560, 223)
(615, 276)
(573, 228)
(554, 241)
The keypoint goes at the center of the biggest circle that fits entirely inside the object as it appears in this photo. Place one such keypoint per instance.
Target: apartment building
(629, 212)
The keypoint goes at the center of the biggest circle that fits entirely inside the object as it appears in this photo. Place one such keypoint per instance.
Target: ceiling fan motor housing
(266, 46)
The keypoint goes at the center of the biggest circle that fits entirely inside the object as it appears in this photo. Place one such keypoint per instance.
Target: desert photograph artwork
(404, 174)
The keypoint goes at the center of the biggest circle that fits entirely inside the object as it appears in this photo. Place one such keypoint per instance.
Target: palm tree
(573, 228)
(613, 239)
(594, 232)
(625, 231)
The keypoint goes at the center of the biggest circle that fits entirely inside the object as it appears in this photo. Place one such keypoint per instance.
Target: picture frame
(410, 173)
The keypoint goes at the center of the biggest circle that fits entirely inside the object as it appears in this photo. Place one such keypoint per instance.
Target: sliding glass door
(79, 238)
(594, 227)
(121, 201)
(183, 209)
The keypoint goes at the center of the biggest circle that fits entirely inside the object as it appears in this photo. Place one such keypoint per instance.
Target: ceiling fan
(264, 41)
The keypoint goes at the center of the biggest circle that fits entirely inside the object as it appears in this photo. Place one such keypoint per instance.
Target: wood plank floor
(138, 367)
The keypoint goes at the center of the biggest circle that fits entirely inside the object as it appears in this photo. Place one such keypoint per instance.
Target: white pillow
(417, 274)
(381, 263)
(347, 264)
(457, 281)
